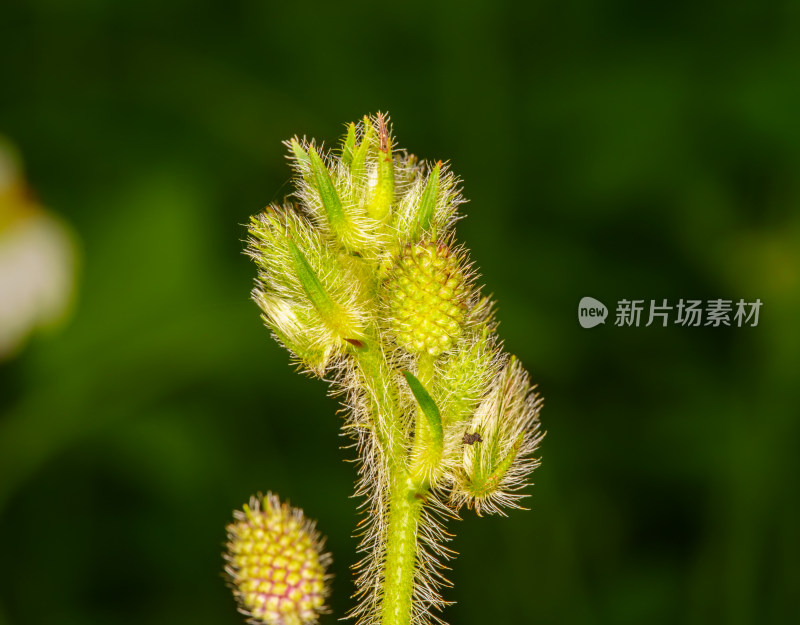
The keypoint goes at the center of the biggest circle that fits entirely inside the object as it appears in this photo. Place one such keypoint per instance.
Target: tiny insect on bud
(275, 563)
(471, 439)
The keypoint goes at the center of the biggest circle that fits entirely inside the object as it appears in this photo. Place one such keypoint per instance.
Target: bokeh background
(617, 149)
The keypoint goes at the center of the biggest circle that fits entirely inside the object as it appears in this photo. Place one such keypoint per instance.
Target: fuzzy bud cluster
(362, 280)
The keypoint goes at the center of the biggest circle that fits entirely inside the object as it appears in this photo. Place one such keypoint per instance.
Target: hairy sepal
(313, 303)
(335, 196)
(427, 210)
(494, 470)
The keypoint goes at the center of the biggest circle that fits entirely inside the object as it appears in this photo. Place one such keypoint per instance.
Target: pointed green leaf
(328, 195)
(383, 194)
(428, 406)
(349, 145)
(486, 480)
(300, 154)
(505, 464)
(311, 284)
(359, 165)
(427, 203)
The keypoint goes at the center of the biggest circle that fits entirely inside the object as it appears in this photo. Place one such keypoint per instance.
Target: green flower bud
(310, 299)
(427, 294)
(497, 463)
(275, 563)
(383, 193)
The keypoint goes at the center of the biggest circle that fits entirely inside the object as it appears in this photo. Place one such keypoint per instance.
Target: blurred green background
(619, 149)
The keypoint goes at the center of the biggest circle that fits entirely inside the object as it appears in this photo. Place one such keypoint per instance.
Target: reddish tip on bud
(383, 132)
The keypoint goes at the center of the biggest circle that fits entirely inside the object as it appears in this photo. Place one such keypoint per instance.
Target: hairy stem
(406, 495)
(405, 507)
(385, 414)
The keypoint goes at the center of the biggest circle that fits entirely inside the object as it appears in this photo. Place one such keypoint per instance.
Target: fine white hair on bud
(307, 292)
(429, 207)
(364, 282)
(497, 464)
(464, 378)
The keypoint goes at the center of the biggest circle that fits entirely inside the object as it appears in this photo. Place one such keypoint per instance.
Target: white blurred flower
(37, 261)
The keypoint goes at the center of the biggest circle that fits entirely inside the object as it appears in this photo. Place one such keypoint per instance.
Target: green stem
(385, 414)
(406, 497)
(405, 508)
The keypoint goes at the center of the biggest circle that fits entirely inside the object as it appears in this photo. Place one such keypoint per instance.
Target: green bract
(363, 282)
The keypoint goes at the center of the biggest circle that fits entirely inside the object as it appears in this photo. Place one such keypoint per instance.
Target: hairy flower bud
(275, 563)
(497, 463)
(309, 298)
(427, 295)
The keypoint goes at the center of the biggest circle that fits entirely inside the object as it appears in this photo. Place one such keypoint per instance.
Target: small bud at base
(275, 564)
